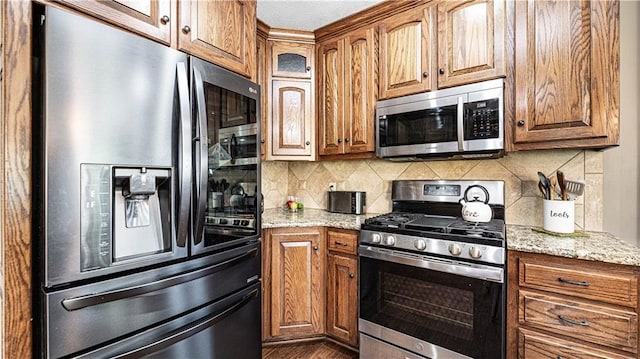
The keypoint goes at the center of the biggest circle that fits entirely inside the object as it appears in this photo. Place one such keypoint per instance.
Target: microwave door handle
(201, 157)
(184, 157)
(460, 120)
(233, 148)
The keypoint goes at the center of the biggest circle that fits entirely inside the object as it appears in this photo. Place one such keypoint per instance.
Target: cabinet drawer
(584, 282)
(342, 240)
(596, 324)
(536, 345)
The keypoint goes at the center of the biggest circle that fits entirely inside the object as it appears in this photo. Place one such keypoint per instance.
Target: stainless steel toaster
(346, 202)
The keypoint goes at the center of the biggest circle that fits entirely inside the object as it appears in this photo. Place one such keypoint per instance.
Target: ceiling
(308, 14)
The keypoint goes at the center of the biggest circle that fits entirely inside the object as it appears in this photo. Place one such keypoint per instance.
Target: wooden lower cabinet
(568, 308)
(294, 283)
(342, 286)
(310, 278)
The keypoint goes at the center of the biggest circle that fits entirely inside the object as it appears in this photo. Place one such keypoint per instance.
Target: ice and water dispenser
(126, 214)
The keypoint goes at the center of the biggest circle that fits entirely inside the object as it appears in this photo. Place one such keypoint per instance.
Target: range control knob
(390, 240)
(420, 244)
(455, 249)
(376, 238)
(475, 252)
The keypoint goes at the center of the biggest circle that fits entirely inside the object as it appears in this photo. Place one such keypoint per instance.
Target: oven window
(419, 127)
(451, 311)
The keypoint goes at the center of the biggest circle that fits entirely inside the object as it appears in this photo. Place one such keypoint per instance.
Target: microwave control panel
(482, 120)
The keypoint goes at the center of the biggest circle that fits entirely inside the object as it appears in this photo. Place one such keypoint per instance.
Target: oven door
(404, 297)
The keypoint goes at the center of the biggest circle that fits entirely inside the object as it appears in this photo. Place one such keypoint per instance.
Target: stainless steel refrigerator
(132, 258)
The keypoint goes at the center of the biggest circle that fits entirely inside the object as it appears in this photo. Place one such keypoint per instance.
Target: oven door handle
(483, 272)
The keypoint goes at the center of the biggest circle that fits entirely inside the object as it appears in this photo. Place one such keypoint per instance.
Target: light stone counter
(310, 217)
(596, 246)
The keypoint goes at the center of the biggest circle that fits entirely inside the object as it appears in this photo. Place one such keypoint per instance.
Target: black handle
(346, 140)
(339, 140)
(351, 275)
(425, 74)
(572, 321)
(233, 148)
(307, 143)
(186, 29)
(521, 123)
(315, 248)
(340, 243)
(308, 68)
(573, 282)
(109, 296)
(181, 334)
(441, 70)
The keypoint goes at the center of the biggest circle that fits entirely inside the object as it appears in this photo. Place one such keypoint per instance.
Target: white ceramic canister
(558, 216)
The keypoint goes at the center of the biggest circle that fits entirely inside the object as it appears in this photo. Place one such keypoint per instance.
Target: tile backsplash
(309, 181)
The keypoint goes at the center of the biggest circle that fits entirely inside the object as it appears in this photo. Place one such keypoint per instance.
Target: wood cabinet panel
(151, 18)
(360, 91)
(407, 48)
(342, 298)
(261, 79)
(291, 118)
(593, 323)
(342, 240)
(605, 286)
(566, 74)
(347, 87)
(223, 32)
(471, 41)
(535, 345)
(297, 284)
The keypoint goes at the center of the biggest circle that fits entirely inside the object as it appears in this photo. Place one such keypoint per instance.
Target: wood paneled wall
(15, 184)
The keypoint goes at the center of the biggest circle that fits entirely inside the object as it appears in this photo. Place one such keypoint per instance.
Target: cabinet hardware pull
(315, 248)
(574, 282)
(340, 243)
(441, 71)
(164, 19)
(351, 275)
(346, 140)
(574, 322)
(425, 74)
(307, 143)
(261, 141)
(308, 68)
(559, 357)
(521, 123)
(186, 29)
(339, 140)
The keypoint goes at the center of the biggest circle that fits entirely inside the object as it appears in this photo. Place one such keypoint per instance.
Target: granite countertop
(310, 217)
(595, 246)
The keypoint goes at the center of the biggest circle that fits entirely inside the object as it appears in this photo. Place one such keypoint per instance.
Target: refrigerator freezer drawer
(80, 318)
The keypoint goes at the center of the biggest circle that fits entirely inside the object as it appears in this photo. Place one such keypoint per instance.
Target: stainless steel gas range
(431, 283)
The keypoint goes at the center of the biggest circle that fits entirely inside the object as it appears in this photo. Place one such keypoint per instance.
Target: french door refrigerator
(129, 259)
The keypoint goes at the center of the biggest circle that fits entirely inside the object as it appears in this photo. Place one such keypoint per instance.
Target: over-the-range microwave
(459, 122)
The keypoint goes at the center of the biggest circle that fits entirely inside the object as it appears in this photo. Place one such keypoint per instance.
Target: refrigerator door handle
(76, 303)
(184, 158)
(190, 330)
(202, 156)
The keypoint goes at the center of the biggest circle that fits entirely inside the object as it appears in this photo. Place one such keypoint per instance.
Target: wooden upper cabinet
(347, 86)
(292, 119)
(566, 74)
(407, 45)
(151, 18)
(291, 59)
(223, 32)
(471, 41)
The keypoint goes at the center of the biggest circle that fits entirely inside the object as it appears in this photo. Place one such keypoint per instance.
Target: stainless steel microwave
(459, 122)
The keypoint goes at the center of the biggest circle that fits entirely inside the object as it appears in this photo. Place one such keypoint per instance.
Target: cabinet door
(330, 93)
(292, 121)
(360, 91)
(297, 286)
(291, 59)
(223, 32)
(566, 74)
(407, 47)
(471, 41)
(151, 18)
(342, 298)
